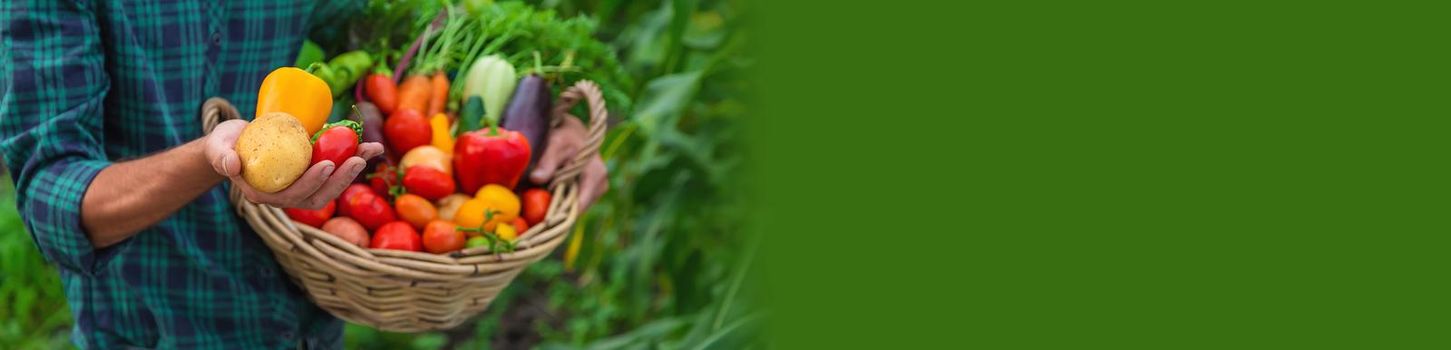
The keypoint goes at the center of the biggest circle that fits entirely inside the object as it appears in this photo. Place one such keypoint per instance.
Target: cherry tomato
(476, 212)
(397, 235)
(352, 190)
(415, 210)
(506, 232)
(521, 225)
(427, 182)
(367, 207)
(536, 205)
(314, 218)
(383, 179)
(406, 129)
(494, 199)
(441, 237)
(336, 142)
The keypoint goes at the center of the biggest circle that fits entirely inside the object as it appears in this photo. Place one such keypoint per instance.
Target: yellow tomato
(470, 214)
(506, 232)
(490, 199)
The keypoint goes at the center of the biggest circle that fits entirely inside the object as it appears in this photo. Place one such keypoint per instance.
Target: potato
(275, 151)
(347, 229)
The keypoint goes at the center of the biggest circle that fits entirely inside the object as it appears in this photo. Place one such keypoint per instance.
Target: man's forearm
(130, 196)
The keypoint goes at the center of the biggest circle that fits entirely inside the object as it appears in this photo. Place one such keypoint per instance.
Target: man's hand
(321, 183)
(564, 143)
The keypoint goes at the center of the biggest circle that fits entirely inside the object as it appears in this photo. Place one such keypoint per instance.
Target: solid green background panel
(1103, 175)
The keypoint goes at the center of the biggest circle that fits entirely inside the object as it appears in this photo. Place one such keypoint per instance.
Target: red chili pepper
(382, 91)
(490, 156)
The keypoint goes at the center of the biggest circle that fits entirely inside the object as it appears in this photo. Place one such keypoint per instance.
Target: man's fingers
(335, 184)
(560, 149)
(228, 164)
(219, 148)
(306, 185)
(368, 150)
(593, 183)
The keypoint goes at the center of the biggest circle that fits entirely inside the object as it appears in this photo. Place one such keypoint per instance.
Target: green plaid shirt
(87, 83)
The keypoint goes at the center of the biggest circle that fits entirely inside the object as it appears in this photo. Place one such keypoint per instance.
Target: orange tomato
(441, 237)
(416, 210)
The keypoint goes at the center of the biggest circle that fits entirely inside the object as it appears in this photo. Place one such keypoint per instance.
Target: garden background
(660, 261)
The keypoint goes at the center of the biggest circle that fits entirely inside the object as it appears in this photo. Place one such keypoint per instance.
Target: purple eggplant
(528, 113)
(372, 120)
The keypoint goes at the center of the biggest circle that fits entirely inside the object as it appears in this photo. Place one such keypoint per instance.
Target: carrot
(414, 93)
(439, 96)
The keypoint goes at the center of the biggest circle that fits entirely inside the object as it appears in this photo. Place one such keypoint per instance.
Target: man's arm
(130, 196)
(72, 198)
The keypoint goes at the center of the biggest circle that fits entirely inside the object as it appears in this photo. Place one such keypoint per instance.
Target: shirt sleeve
(51, 97)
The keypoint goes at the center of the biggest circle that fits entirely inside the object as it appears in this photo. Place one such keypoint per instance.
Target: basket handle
(215, 111)
(589, 92)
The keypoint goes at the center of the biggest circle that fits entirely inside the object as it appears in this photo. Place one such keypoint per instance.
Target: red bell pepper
(490, 156)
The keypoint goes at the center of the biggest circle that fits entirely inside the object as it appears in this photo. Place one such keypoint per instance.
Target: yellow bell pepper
(296, 92)
(442, 138)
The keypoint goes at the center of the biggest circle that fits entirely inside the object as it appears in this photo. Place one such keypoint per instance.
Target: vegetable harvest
(460, 124)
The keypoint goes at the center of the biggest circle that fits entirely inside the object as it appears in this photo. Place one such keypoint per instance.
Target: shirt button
(216, 38)
(266, 273)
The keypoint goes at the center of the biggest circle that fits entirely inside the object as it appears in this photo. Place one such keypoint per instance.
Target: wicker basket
(403, 291)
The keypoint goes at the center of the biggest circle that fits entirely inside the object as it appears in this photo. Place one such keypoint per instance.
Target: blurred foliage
(33, 311)
(661, 261)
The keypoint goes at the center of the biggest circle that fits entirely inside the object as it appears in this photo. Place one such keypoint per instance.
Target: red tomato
(352, 190)
(383, 179)
(536, 205)
(428, 182)
(366, 207)
(314, 218)
(406, 129)
(441, 237)
(520, 226)
(396, 235)
(336, 143)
